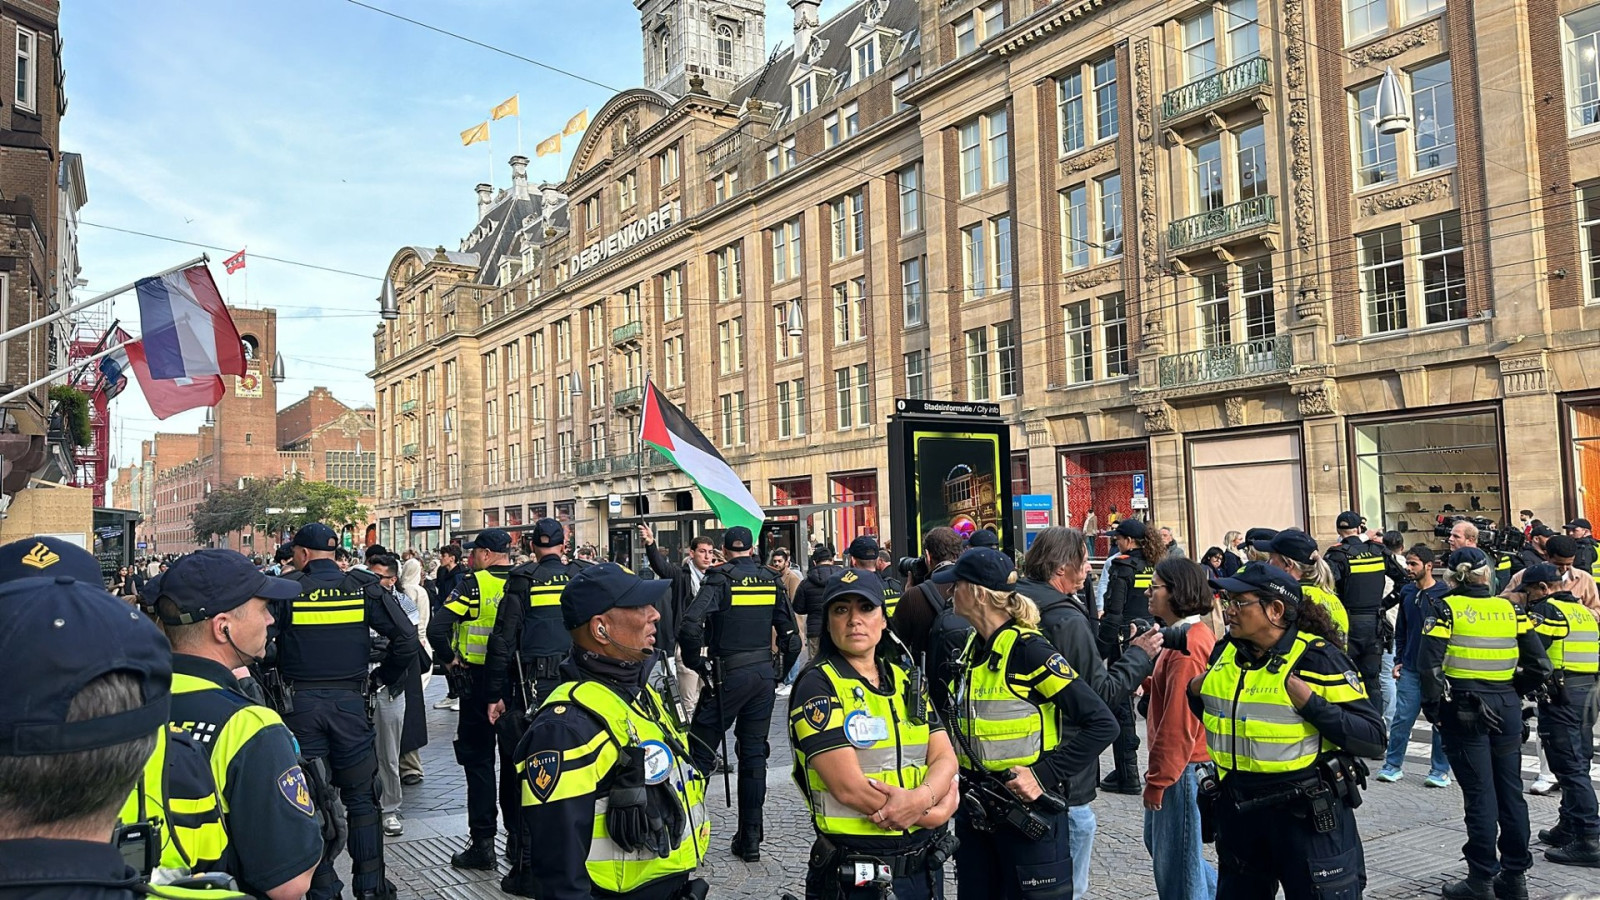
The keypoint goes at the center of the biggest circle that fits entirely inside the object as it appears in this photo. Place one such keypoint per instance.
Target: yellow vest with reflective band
(1251, 724)
(223, 739)
(193, 838)
(1576, 645)
(1003, 727)
(891, 598)
(1482, 634)
(626, 724)
(1366, 565)
(1329, 601)
(547, 594)
(901, 759)
(1142, 578)
(328, 606)
(471, 640)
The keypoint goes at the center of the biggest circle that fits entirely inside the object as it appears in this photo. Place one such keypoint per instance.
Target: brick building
(1167, 238)
(247, 437)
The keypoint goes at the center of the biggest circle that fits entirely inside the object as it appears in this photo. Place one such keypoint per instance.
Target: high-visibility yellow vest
(1004, 727)
(1482, 634)
(640, 723)
(900, 759)
(1329, 601)
(1575, 647)
(1252, 725)
(477, 612)
(189, 821)
(891, 598)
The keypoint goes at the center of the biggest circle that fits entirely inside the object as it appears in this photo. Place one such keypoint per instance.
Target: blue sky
(315, 131)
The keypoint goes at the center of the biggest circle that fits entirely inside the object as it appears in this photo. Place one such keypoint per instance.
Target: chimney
(485, 199)
(805, 25)
(519, 176)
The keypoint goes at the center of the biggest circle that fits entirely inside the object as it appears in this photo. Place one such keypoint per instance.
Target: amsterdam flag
(667, 429)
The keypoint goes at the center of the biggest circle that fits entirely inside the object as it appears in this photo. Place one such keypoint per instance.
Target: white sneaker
(392, 826)
(445, 703)
(1541, 786)
(784, 689)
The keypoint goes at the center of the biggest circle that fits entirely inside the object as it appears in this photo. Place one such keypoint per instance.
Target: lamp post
(1392, 116)
(388, 306)
(795, 320)
(278, 375)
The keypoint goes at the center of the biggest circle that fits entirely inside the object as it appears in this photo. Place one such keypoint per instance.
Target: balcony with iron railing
(1235, 83)
(1225, 362)
(627, 462)
(409, 407)
(1222, 223)
(593, 468)
(407, 493)
(628, 397)
(627, 333)
(408, 450)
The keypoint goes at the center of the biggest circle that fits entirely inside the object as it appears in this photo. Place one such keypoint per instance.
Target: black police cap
(208, 582)
(548, 533)
(864, 547)
(316, 536)
(48, 556)
(494, 540)
(1263, 580)
(1541, 573)
(981, 566)
(737, 538)
(854, 583)
(606, 586)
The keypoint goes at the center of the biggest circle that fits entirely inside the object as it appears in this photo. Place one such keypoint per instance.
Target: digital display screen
(426, 519)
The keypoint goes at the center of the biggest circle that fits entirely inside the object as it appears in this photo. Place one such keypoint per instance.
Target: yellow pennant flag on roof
(577, 123)
(549, 145)
(475, 134)
(508, 108)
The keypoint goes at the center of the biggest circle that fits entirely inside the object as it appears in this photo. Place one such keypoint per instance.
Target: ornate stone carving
(1093, 278)
(1037, 433)
(1390, 47)
(1317, 398)
(1105, 153)
(1157, 416)
(875, 12)
(1233, 411)
(814, 52)
(1144, 119)
(1303, 191)
(1307, 305)
(1409, 195)
(1523, 374)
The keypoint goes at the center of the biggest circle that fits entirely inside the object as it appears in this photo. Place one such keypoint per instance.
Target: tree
(278, 504)
(228, 509)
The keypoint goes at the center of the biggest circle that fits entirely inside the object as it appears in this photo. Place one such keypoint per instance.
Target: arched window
(249, 345)
(664, 52)
(725, 46)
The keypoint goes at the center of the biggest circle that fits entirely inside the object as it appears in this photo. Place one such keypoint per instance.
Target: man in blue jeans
(1415, 599)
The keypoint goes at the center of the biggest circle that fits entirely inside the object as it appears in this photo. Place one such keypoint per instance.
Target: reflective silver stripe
(1268, 751)
(1581, 656)
(1473, 664)
(830, 807)
(1003, 710)
(1013, 748)
(1484, 643)
(881, 759)
(1266, 712)
(1215, 706)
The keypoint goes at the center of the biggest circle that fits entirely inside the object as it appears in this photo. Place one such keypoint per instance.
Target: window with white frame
(911, 291)
(566, 453)
(1078, 319)
(732, 419)
(491, 465)
(724, 186)
(513, 413)
(491, 418)
(491, 369)
(597, 440)
(595, 314)
(909, 181)
(831, 130)
(536, 352)
(1383, 279)
(1581, 34)
(916, 368)
(1433, 137)
(26, 95)
(1443, 263)
(1104, 73)
(866, 58)
(1376, 155)
(597, 385)
(1000, 253)
(791, 409)
(1075, 227)
(1200, 46)
(1114, 334)
(1365, 18)
(985, 153)
(538, 466)
(1109, 191)
(672, 361)
(536, 402)
(1250, 161)
(670, 285)
(1212, 309)
(966, 30)
(786, 345)
(591, 213)
(1260, 308)
(852, 397)
(633, 368)
(848, 216)
(627, 191)
(725, 46)
(1084, 118)
(1206, 178)
(563, 396)
(803, 95)
(975, 258)
(1007, 360)
(1588, 233)
(1069, 112)
(977, 342)
(849, 311)
(667, 166)
(899, 83)
(730, 346)
(785, 251)
(730, 272)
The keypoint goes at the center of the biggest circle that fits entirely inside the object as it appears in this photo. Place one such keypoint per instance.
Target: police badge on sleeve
(297, 790)
(544, 769)
(817, 710)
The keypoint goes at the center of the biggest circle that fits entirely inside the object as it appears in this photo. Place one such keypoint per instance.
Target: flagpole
(246, 252)
(45, 320)
(519, 129)
(19, 392)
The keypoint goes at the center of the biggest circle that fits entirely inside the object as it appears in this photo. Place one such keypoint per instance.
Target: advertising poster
(949, 465)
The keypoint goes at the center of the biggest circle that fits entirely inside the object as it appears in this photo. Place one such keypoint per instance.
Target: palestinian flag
(666, 428)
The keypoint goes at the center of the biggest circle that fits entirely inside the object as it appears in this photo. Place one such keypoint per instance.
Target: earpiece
(602, 629)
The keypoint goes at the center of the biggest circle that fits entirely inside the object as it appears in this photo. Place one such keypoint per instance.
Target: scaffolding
(91, 465)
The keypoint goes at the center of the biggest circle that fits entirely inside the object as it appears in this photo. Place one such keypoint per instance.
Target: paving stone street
(1413, 836)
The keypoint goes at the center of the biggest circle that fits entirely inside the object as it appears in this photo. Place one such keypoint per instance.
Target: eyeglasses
(1240, 601)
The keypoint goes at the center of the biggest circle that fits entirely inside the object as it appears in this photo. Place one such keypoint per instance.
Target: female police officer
(1472, 645)
(1014, 698)
(873, 763)
(1283, 710)
(1127, 600)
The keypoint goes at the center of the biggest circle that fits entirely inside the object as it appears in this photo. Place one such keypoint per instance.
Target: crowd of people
(952, 705)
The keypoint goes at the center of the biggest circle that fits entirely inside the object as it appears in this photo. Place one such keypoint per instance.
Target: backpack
(947, 638)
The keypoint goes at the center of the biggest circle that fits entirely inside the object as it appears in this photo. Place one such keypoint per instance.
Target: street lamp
(576, 388)
(449, 422)
(388, 306)
(1392, 115)
(795, 321)
(277, 369)
(211, 416)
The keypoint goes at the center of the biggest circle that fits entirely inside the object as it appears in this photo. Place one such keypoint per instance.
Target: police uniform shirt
(442, 625)
(322, 635)
(274, 835)
(1359, 568)
(64, 870)
(518, 628)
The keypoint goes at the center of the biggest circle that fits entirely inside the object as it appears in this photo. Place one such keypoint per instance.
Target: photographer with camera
(1023, 723)
(1127, 599)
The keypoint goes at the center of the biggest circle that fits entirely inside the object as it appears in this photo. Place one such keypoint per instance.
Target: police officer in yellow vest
(871, 758)
(1127, 599)
(1285, 715)
(459, 635)
(607, 785)
(863, 553)
(1473, 645)
(214, 605)
(1588, 556)
(1571, 637)
(1010, 699)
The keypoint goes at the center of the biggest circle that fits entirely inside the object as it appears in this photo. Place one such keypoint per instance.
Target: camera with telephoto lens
(912, 568)
(1173, 637)
(1490, 538)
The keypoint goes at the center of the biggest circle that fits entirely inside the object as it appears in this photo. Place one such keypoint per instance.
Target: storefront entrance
(1409, 471)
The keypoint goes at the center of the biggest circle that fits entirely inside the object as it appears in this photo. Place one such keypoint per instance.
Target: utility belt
(1556, 689)
(861, 868)
(358, 685)
(1467, 711)
(542, 667)
(730, 661)
(1331, 782)
(990, 806)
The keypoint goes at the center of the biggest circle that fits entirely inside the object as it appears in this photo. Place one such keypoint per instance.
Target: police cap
(58, 634)
(36, 556)
(207, 582)
(1471, 557)
(494, 540)
(854, 583)
(316, 536)
(1541, 573)
(864, 547)
(1349, 519)
(737, 538)
(1259, 538)
(1291, 543)
(1129, 528)
(1578, 523)
(1542, 530)
(981, 566)
(984, 537)
(1262, 579)
(548, 533)
(606, 586)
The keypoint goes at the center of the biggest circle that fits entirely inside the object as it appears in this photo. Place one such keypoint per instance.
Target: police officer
(214, 607)
(1359, 568)
(1015, 700)
(606, 781)
(1295, 552)
(1127, 599)
(1472, 647)
(176, 775)
(1285, 715)
(75, 742)
(324, 642)
(460, 634)
(1588, 558)
(727, 636)
(1571, 637)
(872, 760)
(864, 555)
(528, 624)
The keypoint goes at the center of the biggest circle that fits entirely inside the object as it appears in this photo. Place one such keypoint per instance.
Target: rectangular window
(1444, 278)
(563, 396)
(491, 418)
(844, 409)
(730, 272)
(984, 152)
(787, 345)
(671, 285)
(27, 84)
(774, 164)
(1589, 234)
(1000, 277)
(1069, 112)
(910, 180)
(1376, 159)
(911, 291)
(1110, 190)
(596, 316)
(974, 257)
(1206, 175)
(1364, 18)
(536, 402)
(785, 251)
(999, 150)
(667, 168)
(724, 186)
(514, 413)
(627, 192)
(866, 58)
(852, 120)
(538, 466)
(1216, 322)
(724, 348)
(591, 212)
(1075, 227)
(597, 441)
(971, 159)
(805, 95)
(991, 19)
(849, 311)
(1199, 46)
(857, 203)
(1433, 106)
(491, 370)
(966, 29)
(536, 352)
(1583, 68)
(1105, 98)
(672, 361)
(1114, 332)
(1260, 310)
(831, 130)
(1416, 9)
(565, 454)
(863, 396)
(1250, 161)
(563, 329)
(916, 369)
(1079, 320)
(1383, 279)
(597, 385)
(1240, 20)
(1007, 363)
(978, 364)
(792, 408)
(733, 419)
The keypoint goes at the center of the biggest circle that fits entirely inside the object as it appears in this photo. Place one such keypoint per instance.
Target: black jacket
(808, 596)
(682, 593)
(1065, 622)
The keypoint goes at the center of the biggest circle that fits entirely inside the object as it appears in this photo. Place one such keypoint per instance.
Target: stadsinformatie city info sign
(624, 238)
(946, 408)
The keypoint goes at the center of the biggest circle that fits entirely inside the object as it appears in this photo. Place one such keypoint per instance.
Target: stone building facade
(1168, 239)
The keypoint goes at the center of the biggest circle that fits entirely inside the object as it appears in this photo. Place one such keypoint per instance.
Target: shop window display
(1097, 489)
(1585, 459)
(1409, 472)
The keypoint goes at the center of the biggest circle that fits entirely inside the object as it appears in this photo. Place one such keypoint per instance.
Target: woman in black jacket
(1127, 584)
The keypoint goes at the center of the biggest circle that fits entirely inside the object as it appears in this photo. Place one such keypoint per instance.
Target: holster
(1207, 797)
